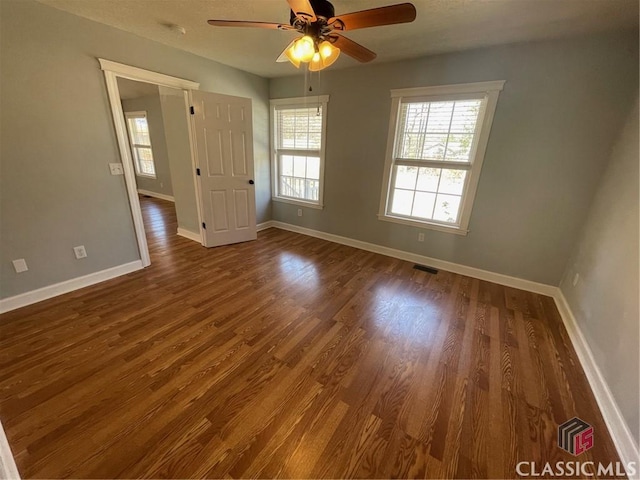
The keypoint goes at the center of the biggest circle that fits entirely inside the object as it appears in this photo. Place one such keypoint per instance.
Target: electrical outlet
(80, 252)
(20, 265)
(299, 212)
(576, 279)
(421, 237)
(116, 169)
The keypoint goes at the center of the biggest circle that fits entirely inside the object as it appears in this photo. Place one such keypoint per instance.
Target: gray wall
(58, 138)
(562, 106)
(177, 137)
(151, 105)
(605, 299)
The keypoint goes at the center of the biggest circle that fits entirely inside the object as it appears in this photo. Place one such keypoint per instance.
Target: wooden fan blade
(401, 13)
(302, 8)
(353, 49)
(242, 23)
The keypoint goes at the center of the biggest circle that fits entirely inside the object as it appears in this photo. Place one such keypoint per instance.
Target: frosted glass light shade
(324, 57)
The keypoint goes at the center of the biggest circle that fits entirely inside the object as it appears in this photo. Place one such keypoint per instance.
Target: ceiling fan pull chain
(311, 80)
(319, 90)
(307, 87)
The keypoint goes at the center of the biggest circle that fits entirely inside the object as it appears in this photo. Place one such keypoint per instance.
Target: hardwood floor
(288, 357)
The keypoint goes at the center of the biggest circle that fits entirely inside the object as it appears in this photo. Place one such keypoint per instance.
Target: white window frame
(298, 102)
(489, 91)
(134, 152)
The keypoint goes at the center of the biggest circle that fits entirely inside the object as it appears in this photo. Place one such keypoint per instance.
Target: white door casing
(113, 71)
(223, 137)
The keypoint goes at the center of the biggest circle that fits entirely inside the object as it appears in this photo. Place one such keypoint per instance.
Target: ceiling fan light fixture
(316, 64)
(326, 49)
(304, 49)
(328, 52)
(290, 54)
(326, 55)
(316, 21)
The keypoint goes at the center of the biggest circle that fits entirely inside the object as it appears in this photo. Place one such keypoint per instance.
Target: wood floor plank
(288, 357)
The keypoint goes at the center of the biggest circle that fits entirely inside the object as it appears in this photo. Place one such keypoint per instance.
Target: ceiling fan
(322, 41)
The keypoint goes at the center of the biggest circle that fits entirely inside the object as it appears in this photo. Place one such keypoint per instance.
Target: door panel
(214, 152)
(239, 154)
(241, 199)
(220, 220)
(224, 147)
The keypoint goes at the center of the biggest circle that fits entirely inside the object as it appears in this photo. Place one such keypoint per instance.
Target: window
(140, 144)
(437, 140)
(298, 149)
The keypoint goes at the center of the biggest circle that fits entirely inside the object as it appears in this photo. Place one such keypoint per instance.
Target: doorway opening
(158, 166)
(159, 144)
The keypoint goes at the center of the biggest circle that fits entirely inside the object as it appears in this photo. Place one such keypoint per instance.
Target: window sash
(312, 132)
(433, 164)
(143, 167)
(401, 132)
(305, 184)
(393, 190)
(442, 98)
(134, 132)
(298, 152)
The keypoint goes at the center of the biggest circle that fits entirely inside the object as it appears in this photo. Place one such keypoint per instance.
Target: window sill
(144, 175)
(428, 225)
(301, 203)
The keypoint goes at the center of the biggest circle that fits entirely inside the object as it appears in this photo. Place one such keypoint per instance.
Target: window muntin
(298, 154)
(434, 159)
(140, 141)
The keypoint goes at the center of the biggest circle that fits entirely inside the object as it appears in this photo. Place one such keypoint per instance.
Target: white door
(224, 158)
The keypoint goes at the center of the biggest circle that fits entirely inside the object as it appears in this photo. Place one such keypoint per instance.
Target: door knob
(251, 182)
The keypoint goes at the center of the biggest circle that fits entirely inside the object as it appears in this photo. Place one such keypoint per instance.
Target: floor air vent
(425, 269)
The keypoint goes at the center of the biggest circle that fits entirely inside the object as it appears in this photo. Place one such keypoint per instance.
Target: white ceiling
(441, 25)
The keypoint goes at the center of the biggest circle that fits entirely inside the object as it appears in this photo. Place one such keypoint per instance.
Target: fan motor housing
(322, 8)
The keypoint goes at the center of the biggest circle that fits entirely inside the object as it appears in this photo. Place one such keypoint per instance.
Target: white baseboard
(161, 196)
(264, 225)
(423, 260)
(34, 296)
(8, 468)
(190, 235)
(618, 428)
